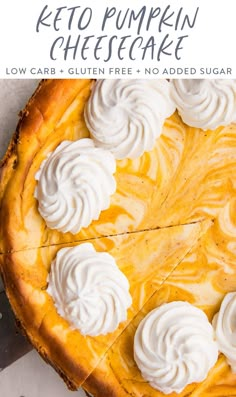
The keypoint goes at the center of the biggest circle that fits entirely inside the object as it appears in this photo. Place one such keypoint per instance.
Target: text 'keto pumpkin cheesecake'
(118, 234)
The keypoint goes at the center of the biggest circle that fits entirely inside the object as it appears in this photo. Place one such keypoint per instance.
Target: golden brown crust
(45, 357)
(37, 122)
(9, 161)
(29, 329)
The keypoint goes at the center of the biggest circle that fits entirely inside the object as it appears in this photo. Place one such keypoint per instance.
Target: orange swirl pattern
(188, 176)
(27, 272)
(202, 278)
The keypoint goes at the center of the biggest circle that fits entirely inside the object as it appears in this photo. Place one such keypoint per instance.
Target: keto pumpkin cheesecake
(116, 217)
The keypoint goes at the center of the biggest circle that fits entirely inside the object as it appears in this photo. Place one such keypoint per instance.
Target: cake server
(13, 344)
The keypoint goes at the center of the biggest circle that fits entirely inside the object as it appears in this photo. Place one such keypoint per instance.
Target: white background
(210, 43)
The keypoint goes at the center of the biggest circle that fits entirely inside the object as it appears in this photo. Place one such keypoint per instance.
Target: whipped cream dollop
(174, 346)
(126, 116)
(224, 324)
(89, 290)
(205, 103)
(75, 183)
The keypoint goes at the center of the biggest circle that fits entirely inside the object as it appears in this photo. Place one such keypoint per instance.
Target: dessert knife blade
(13, 344)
